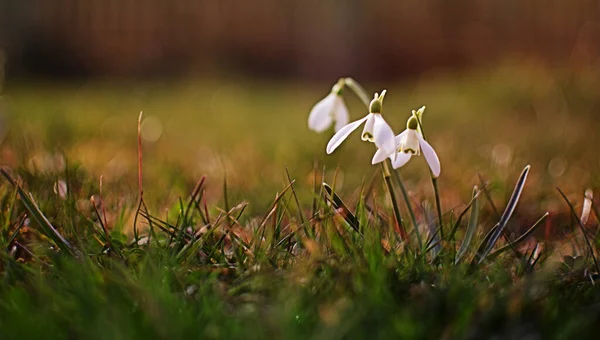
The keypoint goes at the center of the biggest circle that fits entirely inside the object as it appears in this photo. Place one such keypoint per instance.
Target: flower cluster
(399, 149)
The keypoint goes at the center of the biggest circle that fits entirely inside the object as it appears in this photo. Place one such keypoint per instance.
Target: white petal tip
(379, 156)
(431, 157)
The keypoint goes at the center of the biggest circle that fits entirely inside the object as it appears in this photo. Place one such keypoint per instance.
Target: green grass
(251, 253)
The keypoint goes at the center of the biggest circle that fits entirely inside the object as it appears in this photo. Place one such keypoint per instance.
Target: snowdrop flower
(329, 110)
(409, 143)
(376, 129)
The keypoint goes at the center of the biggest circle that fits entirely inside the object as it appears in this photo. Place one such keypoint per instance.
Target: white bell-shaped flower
(376, 129)
(409, 143)
(330, 110)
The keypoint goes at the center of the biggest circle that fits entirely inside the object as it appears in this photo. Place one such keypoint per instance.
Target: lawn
(236, 237)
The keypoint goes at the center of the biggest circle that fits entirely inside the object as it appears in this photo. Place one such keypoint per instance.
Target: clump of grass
(333, 266)
(338, 271)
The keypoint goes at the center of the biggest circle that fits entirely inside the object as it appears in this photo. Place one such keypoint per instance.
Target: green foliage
(212, 277)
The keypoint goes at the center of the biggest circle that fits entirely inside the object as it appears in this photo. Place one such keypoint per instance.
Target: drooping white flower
(409, 143)
(329, 110)
(376, 129)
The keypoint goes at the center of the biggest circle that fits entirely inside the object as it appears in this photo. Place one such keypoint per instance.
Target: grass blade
(587, 240)
(341, 208)
(486, 192)
(411, 212)
(486, 246)
(463, 213)
(37, 215)
(472, 226)
(399, 227)
(300, 213)
(521, 238)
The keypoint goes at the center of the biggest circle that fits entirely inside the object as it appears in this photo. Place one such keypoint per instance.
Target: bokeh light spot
(557, 166)
(501, 154)
(152, 129)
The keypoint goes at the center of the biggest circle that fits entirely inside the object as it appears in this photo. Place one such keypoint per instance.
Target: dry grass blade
(278, 197)
(486, 192)
(301, 215)
(102, 222)
(166, 227)
(341, 208)
(256, 238)
(194, 197)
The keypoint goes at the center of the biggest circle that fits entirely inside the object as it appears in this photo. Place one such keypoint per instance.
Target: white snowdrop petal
(400, 136)
(410, 142)
(341, 115)
(320, 117)
(367, 134)
(342, 134)
(430, 156)
(401, 159)
(384, 136)
(379, 156)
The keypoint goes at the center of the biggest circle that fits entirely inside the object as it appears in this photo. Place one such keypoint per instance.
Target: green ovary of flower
(375, 106)
(412, 123)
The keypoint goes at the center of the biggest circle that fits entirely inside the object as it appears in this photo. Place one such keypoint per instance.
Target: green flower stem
(436, 190)
(364, 97)
(360, 92)
(409, 207)
(387, 177)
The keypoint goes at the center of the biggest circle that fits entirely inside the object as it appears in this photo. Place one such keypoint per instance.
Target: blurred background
(291, 38)
(226, 87)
